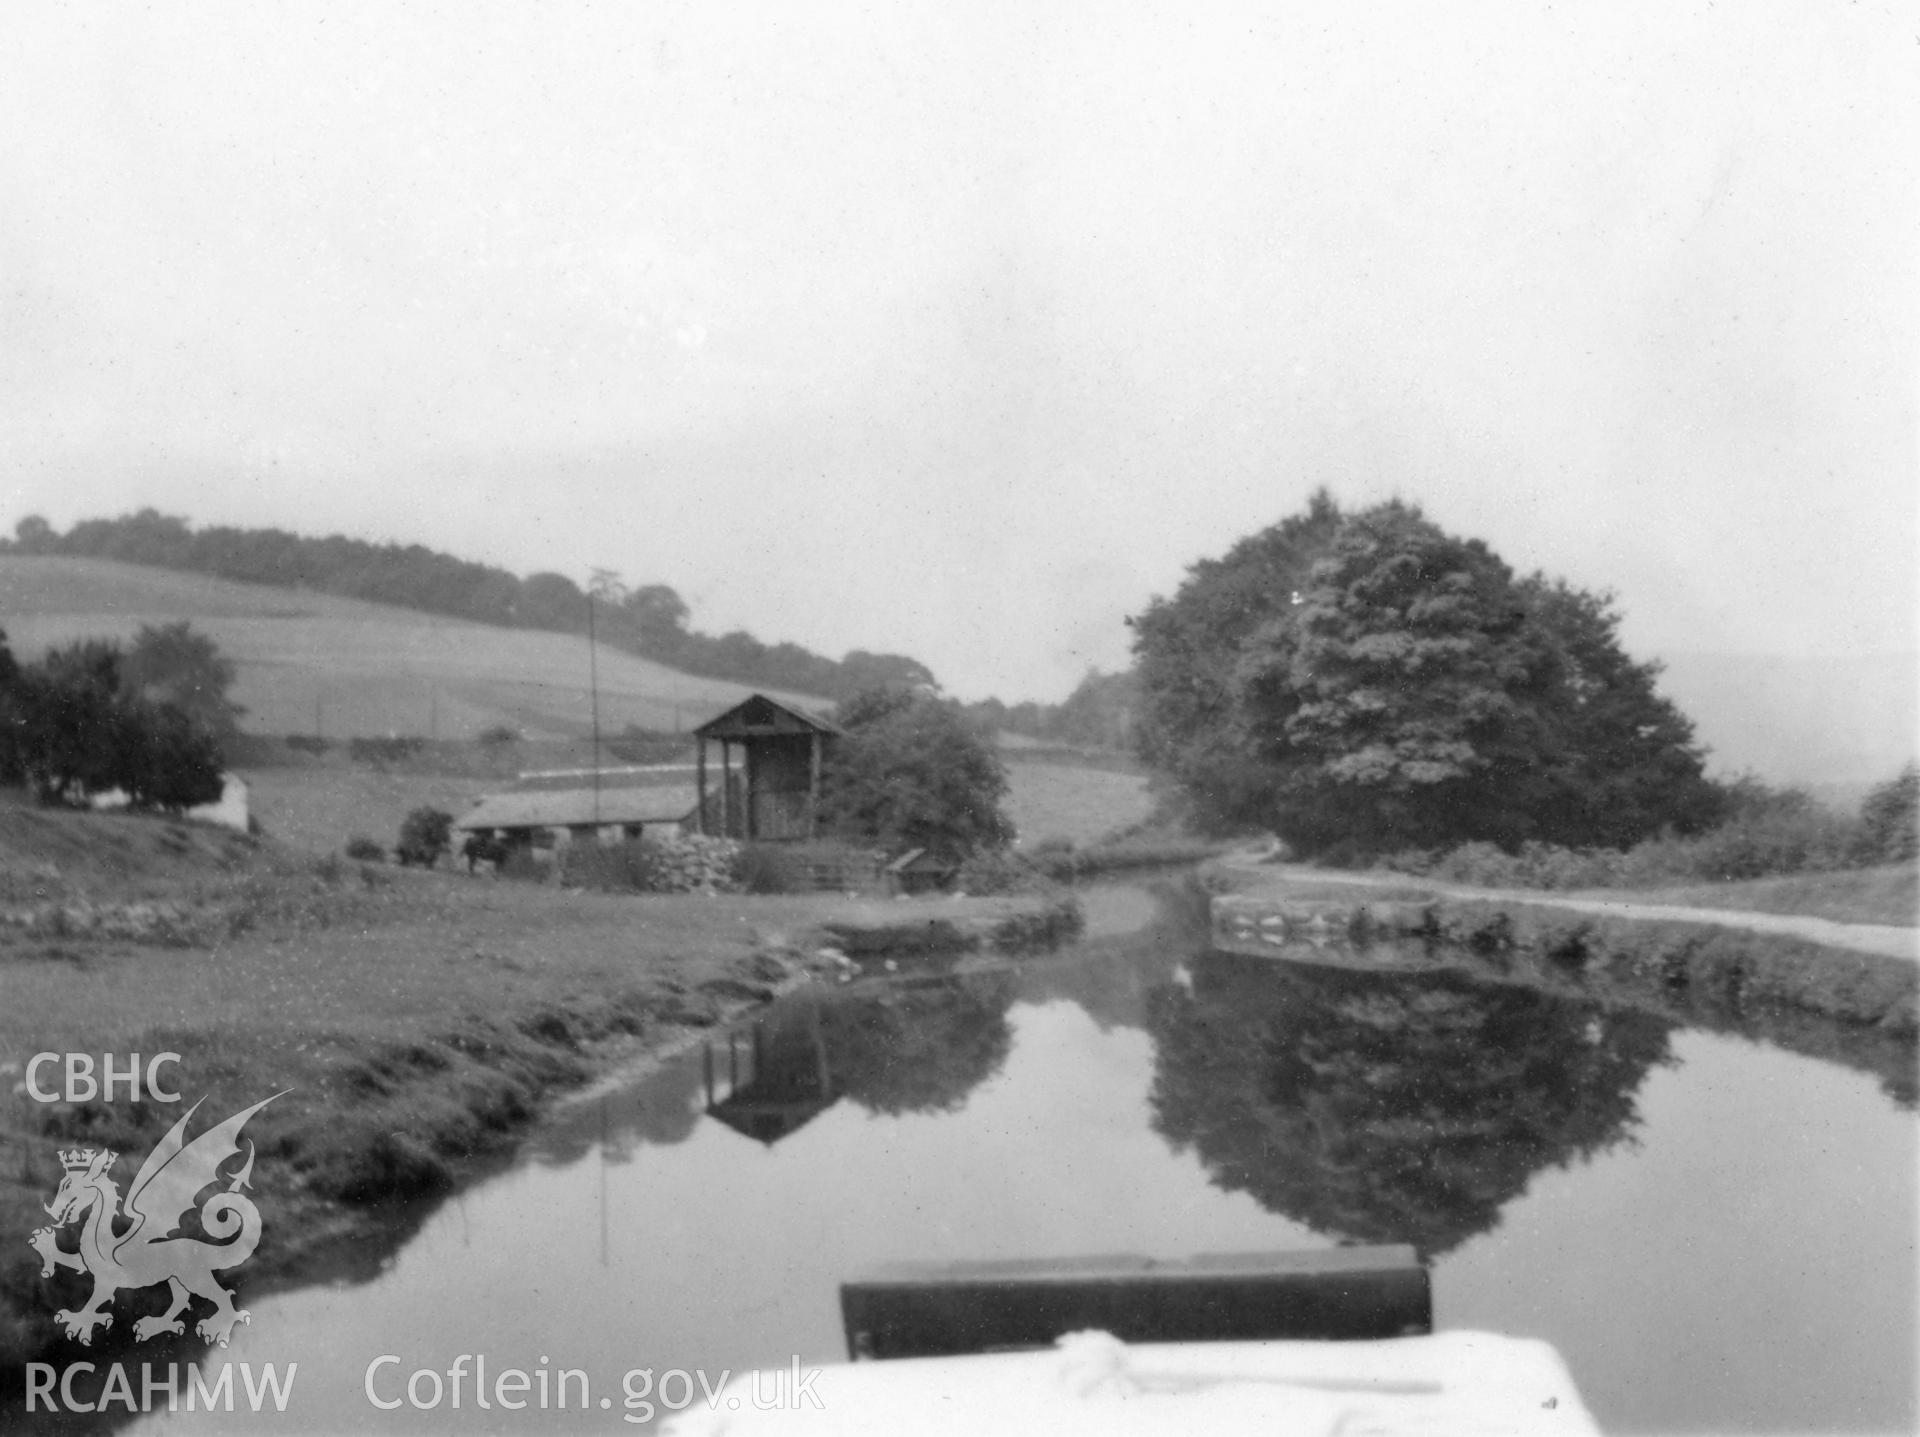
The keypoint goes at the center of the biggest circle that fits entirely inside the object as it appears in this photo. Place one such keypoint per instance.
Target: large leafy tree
(74, 729)
(1366, 681)
(910, 771)
(172, 664)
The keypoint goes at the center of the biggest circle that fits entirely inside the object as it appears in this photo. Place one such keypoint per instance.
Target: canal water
(1717, 1234)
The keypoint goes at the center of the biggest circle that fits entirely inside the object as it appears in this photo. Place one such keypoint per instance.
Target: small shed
(521, 818)
(776, 796)
(920, 870)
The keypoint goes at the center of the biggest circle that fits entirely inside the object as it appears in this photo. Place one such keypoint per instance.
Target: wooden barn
(774, 795)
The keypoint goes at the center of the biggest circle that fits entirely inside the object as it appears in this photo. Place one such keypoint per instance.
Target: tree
(425, 835)
(1185, 653)
(34, 535)
(659, 617)
(909, 771)
(171, 762)
(172, 664)
(1365, 682)
(552, 601)
(77, 731)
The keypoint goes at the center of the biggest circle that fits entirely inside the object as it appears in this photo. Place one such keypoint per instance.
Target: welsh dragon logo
(148, 1252)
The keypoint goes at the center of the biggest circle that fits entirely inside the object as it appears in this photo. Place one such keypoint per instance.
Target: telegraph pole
(593, 688)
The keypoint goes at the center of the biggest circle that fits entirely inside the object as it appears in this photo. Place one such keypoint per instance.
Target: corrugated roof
(566, 808)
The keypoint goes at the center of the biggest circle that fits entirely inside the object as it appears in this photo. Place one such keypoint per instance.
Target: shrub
(308, 743)
(425, 835)
(771, 868)
(1890, 820)
(365, 849)
(498, 736)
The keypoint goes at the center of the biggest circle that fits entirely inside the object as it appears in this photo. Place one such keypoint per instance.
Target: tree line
(651, 620)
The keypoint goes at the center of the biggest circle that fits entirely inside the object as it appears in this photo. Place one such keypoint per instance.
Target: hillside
(340, 667)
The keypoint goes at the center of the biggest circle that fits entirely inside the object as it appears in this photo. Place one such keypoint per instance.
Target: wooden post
(814, 745)
(726, 789)
(700, 785)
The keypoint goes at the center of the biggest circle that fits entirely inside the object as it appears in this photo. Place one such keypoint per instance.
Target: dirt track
(1879, 938)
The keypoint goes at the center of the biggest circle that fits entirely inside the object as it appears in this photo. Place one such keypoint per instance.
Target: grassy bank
(419, 1020)
(1888, 894)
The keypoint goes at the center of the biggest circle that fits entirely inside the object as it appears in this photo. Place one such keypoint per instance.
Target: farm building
(231, 810)
(544, 816)
(775, 796)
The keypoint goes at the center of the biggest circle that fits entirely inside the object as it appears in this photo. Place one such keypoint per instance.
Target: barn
(774, 797)
(542, 817)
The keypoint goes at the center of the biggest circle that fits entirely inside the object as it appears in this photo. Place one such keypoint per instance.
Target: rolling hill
(313, 663)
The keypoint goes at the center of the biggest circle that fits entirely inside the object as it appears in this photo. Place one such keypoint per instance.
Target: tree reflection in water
(919, 1047)
(1389, 1107)
(911, 1047)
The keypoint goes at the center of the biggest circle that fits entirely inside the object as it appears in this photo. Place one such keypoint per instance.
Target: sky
(962, 329)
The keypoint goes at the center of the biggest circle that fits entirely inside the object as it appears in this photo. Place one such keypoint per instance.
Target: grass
(1889, 894)
(419, 1019)
(319, 806)
(1071, 801)
(361, 668)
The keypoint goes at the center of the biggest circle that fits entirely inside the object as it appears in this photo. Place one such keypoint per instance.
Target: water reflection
(918, 1047)
(1389, 1107)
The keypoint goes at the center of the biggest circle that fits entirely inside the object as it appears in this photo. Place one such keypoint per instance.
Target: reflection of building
(777, 1081)
(775, 795)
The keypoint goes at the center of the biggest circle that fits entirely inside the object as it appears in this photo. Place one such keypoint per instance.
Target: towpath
(1895, 942)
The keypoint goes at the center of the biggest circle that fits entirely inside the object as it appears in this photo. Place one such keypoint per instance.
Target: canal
(1716, 1234)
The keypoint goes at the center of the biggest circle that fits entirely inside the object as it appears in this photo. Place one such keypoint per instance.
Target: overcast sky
(960, 329)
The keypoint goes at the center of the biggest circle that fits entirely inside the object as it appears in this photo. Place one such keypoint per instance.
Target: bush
(308, 743)
(771, 868)
(498, 736)
(1766, 832)
(425, 836)
(365, 849)
(1890, 820)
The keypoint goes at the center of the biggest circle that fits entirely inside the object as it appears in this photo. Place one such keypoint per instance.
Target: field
(312, 663)
(1072, 801)
(417, 1020)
